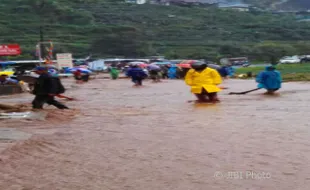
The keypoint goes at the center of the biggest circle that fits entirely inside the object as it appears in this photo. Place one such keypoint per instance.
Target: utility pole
(41, 46)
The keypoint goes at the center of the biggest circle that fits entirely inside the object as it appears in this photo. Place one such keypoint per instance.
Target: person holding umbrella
(137, 74)
(154, 72)
(78, 76)
(203, 82)
(81, 74)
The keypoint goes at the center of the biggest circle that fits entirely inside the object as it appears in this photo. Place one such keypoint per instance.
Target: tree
(272, 51)
(122, 41)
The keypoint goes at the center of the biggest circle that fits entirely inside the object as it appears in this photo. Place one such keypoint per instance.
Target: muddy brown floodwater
(124, 138)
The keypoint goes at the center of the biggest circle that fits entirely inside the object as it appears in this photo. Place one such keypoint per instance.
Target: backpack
(58, 88)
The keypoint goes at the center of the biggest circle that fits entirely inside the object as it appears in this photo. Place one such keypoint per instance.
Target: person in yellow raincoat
(203, 82)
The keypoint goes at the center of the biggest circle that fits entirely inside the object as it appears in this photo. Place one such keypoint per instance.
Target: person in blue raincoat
(172, 72)
(137, 74)
(223, 72)
(230, 71)
(270, 79)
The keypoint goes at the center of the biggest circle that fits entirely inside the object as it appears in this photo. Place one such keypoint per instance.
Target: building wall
(136, 1)
(241, 9)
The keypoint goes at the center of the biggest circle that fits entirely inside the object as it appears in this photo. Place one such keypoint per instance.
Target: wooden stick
(245, 92)
(62, 96)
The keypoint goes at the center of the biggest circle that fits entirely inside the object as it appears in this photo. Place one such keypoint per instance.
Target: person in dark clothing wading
(137, 74)
(46, 88)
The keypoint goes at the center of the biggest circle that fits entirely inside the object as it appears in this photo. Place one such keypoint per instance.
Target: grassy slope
(290, 72)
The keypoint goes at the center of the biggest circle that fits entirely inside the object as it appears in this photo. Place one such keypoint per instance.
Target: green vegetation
(290, 72)
(107, 28)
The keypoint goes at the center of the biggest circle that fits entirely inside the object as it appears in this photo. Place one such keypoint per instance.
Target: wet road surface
(122, 138)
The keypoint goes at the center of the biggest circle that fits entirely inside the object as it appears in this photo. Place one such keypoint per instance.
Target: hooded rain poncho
(207, 79)
(269, 79)
(172, 72)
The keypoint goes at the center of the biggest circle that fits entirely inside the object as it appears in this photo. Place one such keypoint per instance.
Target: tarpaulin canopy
(7, 63)
(97, 65)
(137, 62)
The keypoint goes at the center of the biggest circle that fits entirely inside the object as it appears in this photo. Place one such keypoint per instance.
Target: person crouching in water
(137, 74)
(154, 72)
(78, 76)
(114, 72)
(46, 88)
(270, 79)
(203, 81)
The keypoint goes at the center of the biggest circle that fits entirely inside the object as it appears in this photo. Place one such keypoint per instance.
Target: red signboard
(9, 50)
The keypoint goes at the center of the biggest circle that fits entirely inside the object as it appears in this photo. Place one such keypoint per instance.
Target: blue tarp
(7, 63)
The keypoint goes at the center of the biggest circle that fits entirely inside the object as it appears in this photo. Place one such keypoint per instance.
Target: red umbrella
(184, 65)
(143, 65)
(188, 62)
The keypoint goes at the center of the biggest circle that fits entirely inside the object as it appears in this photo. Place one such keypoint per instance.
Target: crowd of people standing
(202, 79)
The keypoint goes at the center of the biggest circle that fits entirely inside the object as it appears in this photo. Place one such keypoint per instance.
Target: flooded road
(124, 138)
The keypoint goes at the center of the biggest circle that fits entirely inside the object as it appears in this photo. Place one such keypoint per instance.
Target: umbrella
(83, 66)
(153, 67)
(52, 71)
(162, 63)
(83, 70)
(188, 62)
(143, 65)
(139, 63)
(214, 66)
(185, 66)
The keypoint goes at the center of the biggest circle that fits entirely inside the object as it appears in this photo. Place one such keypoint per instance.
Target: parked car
(305, 59)
(289, 60)
(246, 65)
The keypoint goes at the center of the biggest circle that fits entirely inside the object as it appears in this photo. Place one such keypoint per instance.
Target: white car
(287, 60)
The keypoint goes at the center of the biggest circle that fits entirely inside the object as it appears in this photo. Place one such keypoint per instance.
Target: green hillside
(110, 28)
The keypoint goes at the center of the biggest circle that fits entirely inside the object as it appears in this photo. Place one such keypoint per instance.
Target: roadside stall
(8, 85)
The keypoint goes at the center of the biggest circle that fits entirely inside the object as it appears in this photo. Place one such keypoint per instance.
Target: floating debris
(24, 115)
